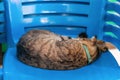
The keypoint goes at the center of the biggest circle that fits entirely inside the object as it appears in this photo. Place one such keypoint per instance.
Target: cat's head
(101, 45)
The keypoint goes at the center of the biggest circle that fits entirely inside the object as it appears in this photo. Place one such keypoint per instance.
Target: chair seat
(104, 68)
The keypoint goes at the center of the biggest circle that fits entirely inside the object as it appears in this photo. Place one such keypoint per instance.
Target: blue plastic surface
(114, 6)
(1, 6)
(114, 18)
(1, 31)
(105, 68)
(66, 13)
(65, 17)
(1, 74)
(2, 24)
(112, 28)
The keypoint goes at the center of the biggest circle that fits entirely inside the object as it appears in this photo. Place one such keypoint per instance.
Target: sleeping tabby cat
(45, 49)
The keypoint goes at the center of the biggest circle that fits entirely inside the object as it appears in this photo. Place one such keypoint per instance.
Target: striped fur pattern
(45, 49)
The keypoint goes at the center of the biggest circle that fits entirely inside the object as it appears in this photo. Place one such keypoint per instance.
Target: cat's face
(101, 45)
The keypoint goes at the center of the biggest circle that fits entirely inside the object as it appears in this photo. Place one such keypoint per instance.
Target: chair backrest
(112, 23)
(66, 17)
(2, 24)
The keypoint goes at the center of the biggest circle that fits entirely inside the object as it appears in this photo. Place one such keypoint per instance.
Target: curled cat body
(45, 49)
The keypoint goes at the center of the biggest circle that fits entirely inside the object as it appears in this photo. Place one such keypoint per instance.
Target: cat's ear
(83, 35)
(94, 40)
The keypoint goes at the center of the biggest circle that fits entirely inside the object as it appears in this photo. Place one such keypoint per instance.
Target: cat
(45, 49)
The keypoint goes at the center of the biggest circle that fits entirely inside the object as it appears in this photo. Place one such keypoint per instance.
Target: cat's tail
(114, 51)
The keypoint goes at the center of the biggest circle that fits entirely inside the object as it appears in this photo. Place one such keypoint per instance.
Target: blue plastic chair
(2, 24)
(2, 29)
(66, 17)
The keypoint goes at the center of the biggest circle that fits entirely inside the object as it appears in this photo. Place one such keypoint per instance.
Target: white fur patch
(116, 54)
